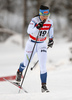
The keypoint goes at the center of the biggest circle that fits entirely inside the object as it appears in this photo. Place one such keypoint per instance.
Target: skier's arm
(32, 27)
(51, 32)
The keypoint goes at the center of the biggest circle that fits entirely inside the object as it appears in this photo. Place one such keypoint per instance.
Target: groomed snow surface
(59, 68)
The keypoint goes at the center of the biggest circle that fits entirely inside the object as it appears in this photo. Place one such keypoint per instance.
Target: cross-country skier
(36, 25)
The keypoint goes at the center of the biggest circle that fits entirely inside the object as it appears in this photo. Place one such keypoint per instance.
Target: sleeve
(31, 27)
(51, 31)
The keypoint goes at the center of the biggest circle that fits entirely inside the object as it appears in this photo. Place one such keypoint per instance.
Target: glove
(40, 25)
(50, 43)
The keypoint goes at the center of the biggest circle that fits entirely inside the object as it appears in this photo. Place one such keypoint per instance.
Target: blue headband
(44, 12)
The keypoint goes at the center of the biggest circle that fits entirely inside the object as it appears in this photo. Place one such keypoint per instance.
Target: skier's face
(43, 17)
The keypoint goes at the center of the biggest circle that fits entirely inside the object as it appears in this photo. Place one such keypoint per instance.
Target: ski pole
(34, 65)
(29, 59)
(36, 62)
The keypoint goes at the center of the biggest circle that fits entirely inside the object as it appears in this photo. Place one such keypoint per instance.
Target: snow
(59, 68)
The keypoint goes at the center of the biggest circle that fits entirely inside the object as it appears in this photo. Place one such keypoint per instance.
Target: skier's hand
(50, 43)
(40, 25)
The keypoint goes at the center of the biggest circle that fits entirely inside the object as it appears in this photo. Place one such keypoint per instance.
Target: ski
(16, 84)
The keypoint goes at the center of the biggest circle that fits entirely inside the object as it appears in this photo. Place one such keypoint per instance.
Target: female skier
(38, 26)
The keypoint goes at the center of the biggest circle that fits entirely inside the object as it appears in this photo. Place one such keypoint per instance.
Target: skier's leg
(42, 56)
(27, 54)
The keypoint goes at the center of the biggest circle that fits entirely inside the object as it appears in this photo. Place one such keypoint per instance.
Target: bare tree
(24, 23)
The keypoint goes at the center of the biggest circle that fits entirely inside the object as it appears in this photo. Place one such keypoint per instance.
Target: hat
(44, 10)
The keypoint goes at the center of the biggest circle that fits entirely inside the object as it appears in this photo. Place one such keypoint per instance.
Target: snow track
(59, 81)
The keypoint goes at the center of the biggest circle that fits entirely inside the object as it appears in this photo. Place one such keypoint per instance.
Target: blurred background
(15, 16)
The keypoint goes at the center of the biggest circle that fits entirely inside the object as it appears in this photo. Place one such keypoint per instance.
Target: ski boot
(44, 88)
(18, 76)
